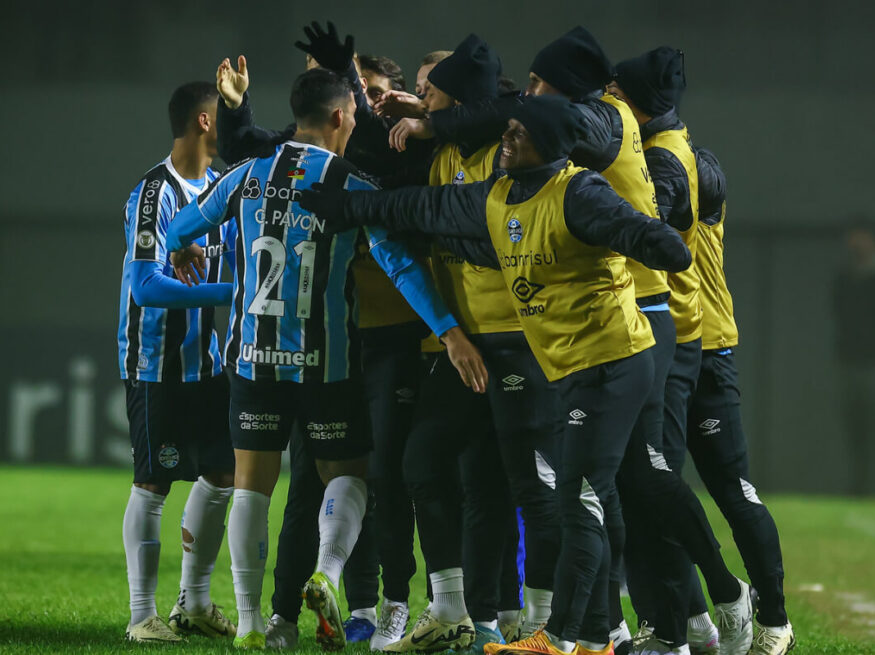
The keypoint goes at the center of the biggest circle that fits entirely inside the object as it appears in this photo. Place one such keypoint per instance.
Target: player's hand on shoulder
(417, 128)
(399, 104)
(326, 48)
(232, 84)
(466, 358)
(189, 265)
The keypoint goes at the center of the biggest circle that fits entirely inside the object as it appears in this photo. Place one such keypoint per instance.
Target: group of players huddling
(566, 254)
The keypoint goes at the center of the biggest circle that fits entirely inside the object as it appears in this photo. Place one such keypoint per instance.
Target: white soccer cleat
(654, 646)
(391, 625)
(773, 641)
(621, 638)
(151, 630)
(281, 634)
(430, 635)
(211, 622)
(735, 623)
(703, 641)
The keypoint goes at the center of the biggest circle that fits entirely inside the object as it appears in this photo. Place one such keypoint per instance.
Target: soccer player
(391, 333)
(715, 437)
(652, 85)
(556, 231)
(177, 397)
(292, 348)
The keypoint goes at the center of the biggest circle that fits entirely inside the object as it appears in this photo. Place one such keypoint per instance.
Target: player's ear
(203, 121)
(337, 117)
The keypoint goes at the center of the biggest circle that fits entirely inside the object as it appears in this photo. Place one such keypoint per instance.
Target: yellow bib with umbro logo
(685, 304)
(576, 302)
(718, 321)
(475, 294)
(629, 177)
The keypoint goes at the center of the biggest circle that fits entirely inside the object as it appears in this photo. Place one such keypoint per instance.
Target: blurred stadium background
(780, 91)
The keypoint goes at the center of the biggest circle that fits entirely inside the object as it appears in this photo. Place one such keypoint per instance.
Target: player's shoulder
(153, 186)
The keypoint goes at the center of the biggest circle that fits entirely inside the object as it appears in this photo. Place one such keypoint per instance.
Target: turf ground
(63, 587)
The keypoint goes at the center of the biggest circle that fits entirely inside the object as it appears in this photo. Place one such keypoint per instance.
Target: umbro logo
(709, 426)
(576, 416)
(512, 382)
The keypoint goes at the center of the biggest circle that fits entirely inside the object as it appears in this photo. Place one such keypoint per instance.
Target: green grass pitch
(63, 587)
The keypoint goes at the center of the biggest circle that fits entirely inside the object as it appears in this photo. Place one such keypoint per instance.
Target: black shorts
(333, 416)
(179, 430)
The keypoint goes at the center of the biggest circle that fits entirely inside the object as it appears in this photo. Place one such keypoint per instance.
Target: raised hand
(232, 84)
(418, 128)
(399, 104)
(326, 48)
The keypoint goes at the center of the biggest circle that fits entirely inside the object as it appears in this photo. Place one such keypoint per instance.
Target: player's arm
(596, 215)
(712, 187)
(597, 147)
(209, 210)
(476, 122)
(238, 137)
(150, 287)
(325, 47)
(414, 282)
(672, 188)
(449, 210)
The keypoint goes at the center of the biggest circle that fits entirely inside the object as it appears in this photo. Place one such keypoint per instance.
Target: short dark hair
(385, 67)
(316, 93)
(186, 102)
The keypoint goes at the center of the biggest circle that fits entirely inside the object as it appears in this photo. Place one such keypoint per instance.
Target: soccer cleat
(321, 596)
(644, 633)
(281, 633)
(653, 646)
(250, 641)
(211, 622)
(735, 624)
(773, 641)
(703, 641)
(537, 644)
(358, 629)
(152, 629)
(622, 639)
(391, 625)
(483, 636)
(510, 630)
(430, 636)
(529, 629)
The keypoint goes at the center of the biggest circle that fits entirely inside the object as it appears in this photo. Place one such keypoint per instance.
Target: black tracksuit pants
(493, 438)
(605, 436)
(716, 441)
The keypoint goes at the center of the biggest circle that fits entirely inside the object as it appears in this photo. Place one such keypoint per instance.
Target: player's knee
(330, 469)
(223, 479)
(162, 489)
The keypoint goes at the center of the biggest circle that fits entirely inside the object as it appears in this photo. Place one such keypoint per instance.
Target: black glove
(328, 206)
(327, 49)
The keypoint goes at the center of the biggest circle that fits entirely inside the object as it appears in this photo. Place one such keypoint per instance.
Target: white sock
(561, 644)
(591, 645)
(247, 541)
(141, 533)
(369, 613)
(538, 603)
(489, 625)
(203, 526)
(701, 622)
(448, 588)
(340, 521)
(508, 616)
(621, 633)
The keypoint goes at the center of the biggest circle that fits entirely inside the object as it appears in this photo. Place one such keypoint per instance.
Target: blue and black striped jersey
(294, 314)
(167, 344)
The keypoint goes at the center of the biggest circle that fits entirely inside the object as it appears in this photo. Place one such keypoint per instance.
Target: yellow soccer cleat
(537, 644)
(250, 641)
(211, 622)
(321, 596)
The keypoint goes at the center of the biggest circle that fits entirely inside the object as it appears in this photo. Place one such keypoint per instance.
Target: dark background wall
(780, 91)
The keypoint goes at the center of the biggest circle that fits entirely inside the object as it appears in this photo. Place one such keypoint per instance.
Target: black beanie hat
(654, 81)
(553, 122)
(470, 73)
(574, 64)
